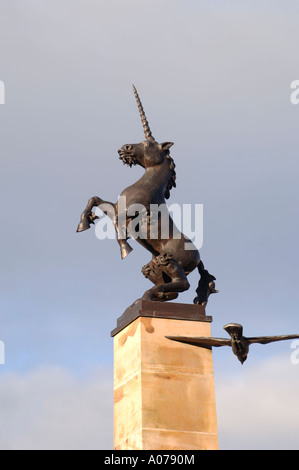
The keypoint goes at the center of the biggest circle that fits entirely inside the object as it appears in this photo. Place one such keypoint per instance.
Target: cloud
(214, 77)
(51, 409)
(258, 409)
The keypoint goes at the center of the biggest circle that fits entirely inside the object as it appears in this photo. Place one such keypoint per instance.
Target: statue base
(164, 397)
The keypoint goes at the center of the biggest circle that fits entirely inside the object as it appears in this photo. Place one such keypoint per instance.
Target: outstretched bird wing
(270, 339)
(201, 342)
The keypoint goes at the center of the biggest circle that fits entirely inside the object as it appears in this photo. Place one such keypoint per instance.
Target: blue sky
(214, 78)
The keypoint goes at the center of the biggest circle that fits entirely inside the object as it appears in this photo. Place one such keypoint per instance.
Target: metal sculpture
(239, 343)
(171, 261)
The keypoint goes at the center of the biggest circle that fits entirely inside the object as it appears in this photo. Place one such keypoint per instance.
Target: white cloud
(51, 409)
(214, 78)
(258, 408)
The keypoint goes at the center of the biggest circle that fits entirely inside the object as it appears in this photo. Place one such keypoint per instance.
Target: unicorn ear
(166, 145)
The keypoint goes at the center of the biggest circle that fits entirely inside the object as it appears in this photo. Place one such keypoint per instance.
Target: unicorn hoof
(125, 250)
(83, 225)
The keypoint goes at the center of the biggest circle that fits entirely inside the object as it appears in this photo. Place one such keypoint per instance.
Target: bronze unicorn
(171, 261)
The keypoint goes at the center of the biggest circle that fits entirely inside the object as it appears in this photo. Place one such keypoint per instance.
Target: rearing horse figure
(171, 261)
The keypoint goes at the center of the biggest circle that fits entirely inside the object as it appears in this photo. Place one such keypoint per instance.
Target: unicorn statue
(141, 213)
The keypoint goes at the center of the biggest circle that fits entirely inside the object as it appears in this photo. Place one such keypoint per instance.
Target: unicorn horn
(147, 131)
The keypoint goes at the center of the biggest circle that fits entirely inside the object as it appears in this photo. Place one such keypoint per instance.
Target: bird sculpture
(239, 343)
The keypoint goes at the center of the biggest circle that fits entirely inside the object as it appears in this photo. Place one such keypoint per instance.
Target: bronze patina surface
(239, 343)
(171, 262)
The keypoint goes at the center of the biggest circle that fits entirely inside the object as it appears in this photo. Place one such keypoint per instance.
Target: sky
(214, 78)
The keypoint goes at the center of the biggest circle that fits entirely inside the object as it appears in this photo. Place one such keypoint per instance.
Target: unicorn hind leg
(168, 276)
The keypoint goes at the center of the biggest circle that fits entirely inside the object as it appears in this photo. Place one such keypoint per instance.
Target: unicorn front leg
(125, 248)
(88, 217)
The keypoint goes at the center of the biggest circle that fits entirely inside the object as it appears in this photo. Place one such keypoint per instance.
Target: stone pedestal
(164, 394)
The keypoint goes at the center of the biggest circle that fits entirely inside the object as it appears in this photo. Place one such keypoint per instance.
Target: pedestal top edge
(171, 310)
